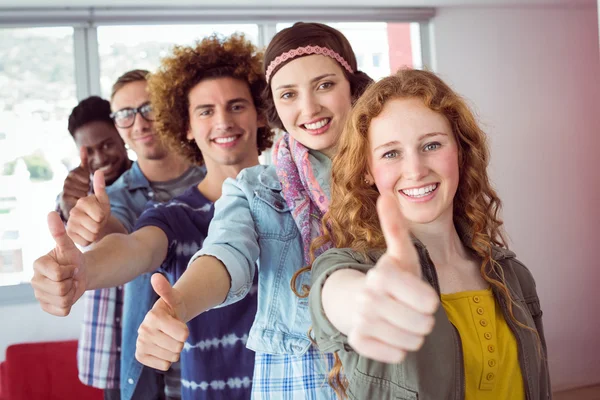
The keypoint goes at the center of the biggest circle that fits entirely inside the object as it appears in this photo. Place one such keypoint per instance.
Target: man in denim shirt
(157, 175)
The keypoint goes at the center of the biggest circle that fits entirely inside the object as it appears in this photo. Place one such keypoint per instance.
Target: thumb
(170, 296)
(397, 236)
(59, 234)
(83, 156)
(100, 189)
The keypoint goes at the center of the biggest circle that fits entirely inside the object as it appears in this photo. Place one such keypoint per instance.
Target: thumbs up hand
(76, 185)
(59, 276)
(395, 306)
(90, 214)
(163, 333)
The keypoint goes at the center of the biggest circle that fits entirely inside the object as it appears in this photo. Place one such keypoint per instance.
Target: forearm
(113, 225)
(204, 285)
(339, 295)
(118, 258)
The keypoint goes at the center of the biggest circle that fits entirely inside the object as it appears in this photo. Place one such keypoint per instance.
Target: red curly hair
(352, 220)
(212, 57)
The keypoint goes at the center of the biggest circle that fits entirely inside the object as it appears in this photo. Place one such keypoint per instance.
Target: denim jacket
(253, 222)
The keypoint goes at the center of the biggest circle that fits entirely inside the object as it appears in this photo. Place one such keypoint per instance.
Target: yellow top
(490, 350)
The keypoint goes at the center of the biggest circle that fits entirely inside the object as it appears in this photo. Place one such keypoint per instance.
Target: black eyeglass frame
(145, 108)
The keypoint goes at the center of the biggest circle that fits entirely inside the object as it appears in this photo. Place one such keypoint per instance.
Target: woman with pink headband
(268, 218)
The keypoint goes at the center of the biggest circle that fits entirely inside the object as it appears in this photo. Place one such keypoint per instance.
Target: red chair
(43, 371)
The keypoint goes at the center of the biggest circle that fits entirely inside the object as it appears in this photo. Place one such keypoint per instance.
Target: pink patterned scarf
(301, 190)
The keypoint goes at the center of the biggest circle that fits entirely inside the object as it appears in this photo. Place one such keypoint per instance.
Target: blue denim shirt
(253, 222)
(128, 197)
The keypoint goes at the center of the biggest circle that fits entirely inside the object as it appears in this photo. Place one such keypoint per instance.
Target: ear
(262, 121)
(369, 179)
(189, 135)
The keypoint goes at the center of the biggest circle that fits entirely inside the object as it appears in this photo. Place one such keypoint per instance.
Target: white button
(118, 319)
(118, 348)
(130, 381)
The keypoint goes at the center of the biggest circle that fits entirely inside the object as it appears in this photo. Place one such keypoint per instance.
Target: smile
(226, 140)
(317, 127)
(420, 192)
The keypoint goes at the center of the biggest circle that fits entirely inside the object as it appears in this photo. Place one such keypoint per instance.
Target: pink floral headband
(306, 50)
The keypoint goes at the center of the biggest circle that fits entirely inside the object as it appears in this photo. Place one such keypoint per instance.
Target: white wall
(28, 323)
(534, 75)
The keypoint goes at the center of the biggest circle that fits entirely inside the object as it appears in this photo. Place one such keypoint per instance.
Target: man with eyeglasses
(159, 175)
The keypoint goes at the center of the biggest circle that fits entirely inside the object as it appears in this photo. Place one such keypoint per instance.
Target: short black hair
(89, 110)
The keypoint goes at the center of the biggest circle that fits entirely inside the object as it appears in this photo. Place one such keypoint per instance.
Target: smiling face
(413, 155)
(224, 122)
(140, 137)
(104, 147)
(312, 98)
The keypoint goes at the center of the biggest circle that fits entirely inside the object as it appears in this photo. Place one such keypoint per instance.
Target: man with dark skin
(100, 148)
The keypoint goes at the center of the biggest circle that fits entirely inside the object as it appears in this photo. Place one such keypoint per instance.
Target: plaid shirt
(99, 348)
(286, 377)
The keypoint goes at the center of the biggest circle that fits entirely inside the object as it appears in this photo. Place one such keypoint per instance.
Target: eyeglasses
(126, 117)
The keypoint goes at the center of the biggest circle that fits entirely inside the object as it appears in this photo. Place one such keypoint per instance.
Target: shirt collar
(136, 179)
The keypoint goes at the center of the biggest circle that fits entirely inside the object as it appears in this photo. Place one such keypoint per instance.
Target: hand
(395, 306)
(59, 277)
(163, 333)
(90, 214)
(76, 186)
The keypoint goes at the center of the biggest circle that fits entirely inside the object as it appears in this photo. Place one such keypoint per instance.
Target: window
(376, 60)
(387, 46)
(36, 150)
(123, 48)
(41, 85)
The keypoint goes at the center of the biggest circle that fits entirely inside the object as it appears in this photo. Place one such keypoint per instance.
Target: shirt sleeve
(158, 215)
(232, 239)
(328, 337)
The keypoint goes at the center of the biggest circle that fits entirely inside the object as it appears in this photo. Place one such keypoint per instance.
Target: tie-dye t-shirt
(215, 363)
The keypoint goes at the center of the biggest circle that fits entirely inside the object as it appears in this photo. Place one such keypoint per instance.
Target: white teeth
(223, 140)
(420, 192)
(318, 124)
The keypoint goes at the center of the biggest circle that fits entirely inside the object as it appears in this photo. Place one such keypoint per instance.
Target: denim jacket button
(130, 381)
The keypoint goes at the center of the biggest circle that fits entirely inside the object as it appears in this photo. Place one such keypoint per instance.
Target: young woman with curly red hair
(415, 223)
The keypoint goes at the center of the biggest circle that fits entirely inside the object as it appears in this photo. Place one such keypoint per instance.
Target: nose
(414, 167)
(310, 105)
(223, 121)
(141, 124)
(98, 158)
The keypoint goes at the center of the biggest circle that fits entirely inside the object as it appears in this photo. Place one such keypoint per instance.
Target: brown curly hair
(311, 34)
(352, 219)
(212, 57)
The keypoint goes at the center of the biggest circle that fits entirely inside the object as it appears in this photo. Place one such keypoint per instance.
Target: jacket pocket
(273, 218)
(366, 387)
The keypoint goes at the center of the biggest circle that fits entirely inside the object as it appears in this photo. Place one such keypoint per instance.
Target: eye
(205, 113)
(325, 85)
(287, 95)
(431, 146)
(238, 107)
(390, 154)
(125, 113)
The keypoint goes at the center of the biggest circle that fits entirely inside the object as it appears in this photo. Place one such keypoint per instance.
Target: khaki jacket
(436, 371)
